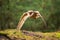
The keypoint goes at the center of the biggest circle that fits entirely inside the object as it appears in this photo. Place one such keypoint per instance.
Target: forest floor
(13, 34)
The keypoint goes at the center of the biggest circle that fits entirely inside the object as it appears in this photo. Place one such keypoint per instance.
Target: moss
(18, 34)
(58, 35)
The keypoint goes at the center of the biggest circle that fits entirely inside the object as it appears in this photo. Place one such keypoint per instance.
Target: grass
(41, 36)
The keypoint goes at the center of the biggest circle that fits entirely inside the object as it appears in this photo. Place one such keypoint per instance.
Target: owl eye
(30, 13)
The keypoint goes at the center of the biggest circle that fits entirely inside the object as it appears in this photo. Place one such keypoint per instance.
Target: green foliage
(11, 11)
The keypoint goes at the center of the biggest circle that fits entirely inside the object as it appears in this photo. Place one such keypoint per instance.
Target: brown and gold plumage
(28, 14)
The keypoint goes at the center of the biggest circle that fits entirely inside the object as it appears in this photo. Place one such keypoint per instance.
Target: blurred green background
(11, 11)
